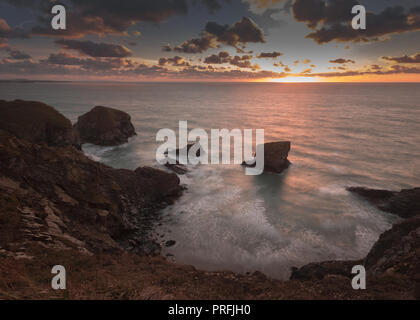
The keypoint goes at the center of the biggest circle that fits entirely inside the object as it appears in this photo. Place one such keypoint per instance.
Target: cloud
(7, 32)
(221, 57)
(273, 55)
(107, 16)
(64, 64)
(342, 61)
(415, 58)
(166, 48)
(214, 34)
(238, 61)
(376, 70)
(196, 45)
(93, 49)
(331, 20)
(176, 61)
(17, 54)
(63, 58)
(92, 64)
(231, 74)
(243, 31)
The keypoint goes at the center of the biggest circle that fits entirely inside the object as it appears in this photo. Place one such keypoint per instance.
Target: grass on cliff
(129, 276)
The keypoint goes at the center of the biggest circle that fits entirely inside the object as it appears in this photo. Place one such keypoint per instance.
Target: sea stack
(105, 126)
(275, 156)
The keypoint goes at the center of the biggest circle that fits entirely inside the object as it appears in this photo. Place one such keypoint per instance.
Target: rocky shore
(57, 206)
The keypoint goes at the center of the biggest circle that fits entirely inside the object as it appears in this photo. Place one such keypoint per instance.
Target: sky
(211, 40)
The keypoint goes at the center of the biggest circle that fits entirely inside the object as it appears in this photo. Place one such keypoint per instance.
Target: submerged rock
(174, 155)
(38, 123)
(188, 147)
(177, 168)
(105, 127)
(275, 157)
(170, 243)
(405, 203)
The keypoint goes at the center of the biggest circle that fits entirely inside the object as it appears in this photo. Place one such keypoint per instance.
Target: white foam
(334, 189)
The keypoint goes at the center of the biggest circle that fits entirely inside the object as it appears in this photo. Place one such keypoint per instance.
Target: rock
(188, 147)
(105, 127)
(405, 203)
(75, 202)
(275, 157)
(170, 243)
(319, 270)
(397, 249)
(177, 168)
(38, 123)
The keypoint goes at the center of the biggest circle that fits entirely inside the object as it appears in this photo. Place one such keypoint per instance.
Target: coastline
(97, 219)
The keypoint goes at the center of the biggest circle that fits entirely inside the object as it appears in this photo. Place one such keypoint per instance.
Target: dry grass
(128, 276)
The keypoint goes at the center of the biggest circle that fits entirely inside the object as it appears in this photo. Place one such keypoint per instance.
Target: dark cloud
(243, 62)
(17, 54)
(176, 61)
(241, 32)
(221, 57)
(415, 58)
(214, 34)
(93, 49)
(166, 48)
(314, 12)
(63, 58)
(238, 61)
(107, 16)
(342, 61)
(7, 32)
(197, 45)
(92, 64)
(331, 20)
(273, 54)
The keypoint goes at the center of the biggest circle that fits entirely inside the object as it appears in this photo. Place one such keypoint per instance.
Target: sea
(342, 134)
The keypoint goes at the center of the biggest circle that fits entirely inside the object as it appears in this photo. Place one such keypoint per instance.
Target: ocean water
(342, 135)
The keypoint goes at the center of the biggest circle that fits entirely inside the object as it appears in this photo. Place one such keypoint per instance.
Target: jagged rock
(405, 203)
(275, 157)
(37, 122)
(319, 270)
(177, 168)
(70, 200)
(105, 127)
(397, 251)
(188, 147)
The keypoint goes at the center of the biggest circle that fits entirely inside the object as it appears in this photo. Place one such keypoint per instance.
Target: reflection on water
(342, 135)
